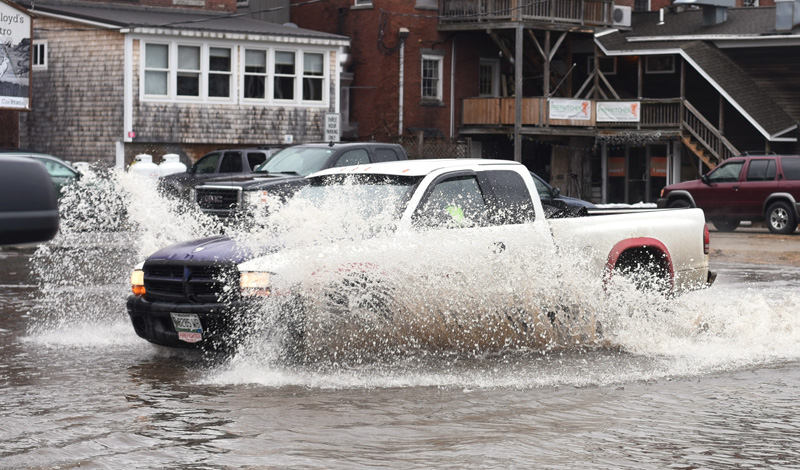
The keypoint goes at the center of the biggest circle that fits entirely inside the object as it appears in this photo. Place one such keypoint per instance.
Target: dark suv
(285, 172)
(233, 162)
(753, 187)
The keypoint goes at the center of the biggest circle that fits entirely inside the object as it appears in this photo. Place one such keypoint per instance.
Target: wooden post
(518, 57)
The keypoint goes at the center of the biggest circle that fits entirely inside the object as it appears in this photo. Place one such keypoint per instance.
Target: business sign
(576, 110)
(616, 167)
(658, 167)
(15, 57)
(619, 111)
(331, 127)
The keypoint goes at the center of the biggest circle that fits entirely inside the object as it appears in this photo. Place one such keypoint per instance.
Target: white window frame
(671, 59)
(439, 85)
(42, 55)
(495, 66)
(321, 78)
(362, 3)
(294, 76)
(299, 75)
(267, 75)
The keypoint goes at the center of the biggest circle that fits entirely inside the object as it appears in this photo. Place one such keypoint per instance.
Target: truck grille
(188, 283)
(216, 198)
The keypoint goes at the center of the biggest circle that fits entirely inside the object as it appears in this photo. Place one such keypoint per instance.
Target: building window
(313, 73)
(641, 5)
(156, 70)
(284, 75)
(188, 77)
(219, 72)
(660, 64)
(362, 3)
(432, 77)
(489, 77)
(255, 74)
(39, 55)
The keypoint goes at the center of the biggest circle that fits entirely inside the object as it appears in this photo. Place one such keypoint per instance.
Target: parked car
(552, 198)
(285, 172)
(753, 187)
(61, 172)
(28, 201)
(230, 162)
(190, 294)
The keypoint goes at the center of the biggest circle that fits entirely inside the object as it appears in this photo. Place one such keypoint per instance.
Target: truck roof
(414, 167)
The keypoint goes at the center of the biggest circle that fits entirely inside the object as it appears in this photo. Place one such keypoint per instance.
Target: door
(759, 182)
(718, 197)
(637, 175)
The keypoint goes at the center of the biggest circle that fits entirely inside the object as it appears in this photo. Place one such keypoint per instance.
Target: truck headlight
(255, 283)
(255, 198)
(193, 195)
(137, 282)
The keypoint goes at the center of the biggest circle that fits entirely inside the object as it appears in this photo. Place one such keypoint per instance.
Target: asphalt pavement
(754, 245)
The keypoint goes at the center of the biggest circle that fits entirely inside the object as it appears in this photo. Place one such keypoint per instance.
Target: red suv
(753, 187)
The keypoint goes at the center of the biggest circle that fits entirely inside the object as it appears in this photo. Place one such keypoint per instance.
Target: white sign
(576, 110)
(619, 111)
(331, 127)
(15, 57)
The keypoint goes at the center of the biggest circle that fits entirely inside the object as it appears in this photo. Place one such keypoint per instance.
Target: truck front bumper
(153, 322)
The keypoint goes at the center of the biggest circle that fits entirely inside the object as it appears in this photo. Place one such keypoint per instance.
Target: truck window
(791, 168)
(761, 170)
(207, 164)
(510, 201)
(231, 163)
(386, 155)
(726, 173)
(453, 203)
(353, 157)
(255, 158)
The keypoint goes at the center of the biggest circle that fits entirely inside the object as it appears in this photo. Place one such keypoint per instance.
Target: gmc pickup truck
(284, 173)
(418, 217)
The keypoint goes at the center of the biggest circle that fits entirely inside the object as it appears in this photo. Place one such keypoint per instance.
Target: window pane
(255, 61)
(312, 89)
(254, 86)
(454, 203)
(284, 63)
(485, 80)
(284, 88)
(312, 64)
(219, 85)
(188, 58)
(430, 78)
(255, 78)
(231, 163)
(156, 56)
(791, 168)
(726, 173)
(219, 59)
(188, 84)
(155, 83)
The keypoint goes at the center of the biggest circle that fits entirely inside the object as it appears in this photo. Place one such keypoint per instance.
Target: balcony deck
(549, 14)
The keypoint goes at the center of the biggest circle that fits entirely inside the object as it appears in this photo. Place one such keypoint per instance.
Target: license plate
(188, 326)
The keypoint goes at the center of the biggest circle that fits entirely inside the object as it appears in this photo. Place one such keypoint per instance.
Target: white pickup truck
(439, 240)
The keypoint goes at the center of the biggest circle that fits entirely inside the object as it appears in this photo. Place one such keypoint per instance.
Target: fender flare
(772, 197)
(680, 193)
(639, 242)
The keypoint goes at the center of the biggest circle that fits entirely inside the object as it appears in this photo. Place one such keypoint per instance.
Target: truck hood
(218, 248)
(685, 185)
(253, 181)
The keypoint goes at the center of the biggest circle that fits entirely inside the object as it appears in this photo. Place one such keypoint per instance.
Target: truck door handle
(735, 188)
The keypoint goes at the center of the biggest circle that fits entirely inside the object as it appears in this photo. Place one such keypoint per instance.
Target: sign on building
(332, 127)
(619, 111)
(16, 31)
(577, 110)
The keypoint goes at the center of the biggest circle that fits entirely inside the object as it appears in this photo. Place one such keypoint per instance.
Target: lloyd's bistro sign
(15, 57)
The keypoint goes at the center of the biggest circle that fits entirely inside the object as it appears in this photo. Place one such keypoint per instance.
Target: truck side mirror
(555, 192)
(704, 179)
(28, 202)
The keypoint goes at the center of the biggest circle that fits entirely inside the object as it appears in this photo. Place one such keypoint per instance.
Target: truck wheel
(781, 218)
(679, 204)
(727, 225)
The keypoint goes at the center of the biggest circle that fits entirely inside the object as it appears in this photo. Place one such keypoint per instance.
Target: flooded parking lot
(705, 380)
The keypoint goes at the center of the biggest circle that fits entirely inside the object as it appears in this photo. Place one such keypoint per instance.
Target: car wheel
(727, 225)
(781, 218)
(679, 204)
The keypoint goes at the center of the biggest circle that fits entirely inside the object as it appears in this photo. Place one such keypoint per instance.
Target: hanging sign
(576, 110)
(619, 111)
(15, 57)
(616, 167)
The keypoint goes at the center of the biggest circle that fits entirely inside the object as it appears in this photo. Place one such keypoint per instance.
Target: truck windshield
(369, 195)
(296, 160)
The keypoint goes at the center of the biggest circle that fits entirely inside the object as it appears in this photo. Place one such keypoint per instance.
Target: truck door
(758, 184)
(718, 197)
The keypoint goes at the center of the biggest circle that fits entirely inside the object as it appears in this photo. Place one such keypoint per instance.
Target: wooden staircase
(703, 138)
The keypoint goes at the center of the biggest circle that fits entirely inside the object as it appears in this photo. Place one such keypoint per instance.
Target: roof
(684, 33)
(415, 167)
(166, 21)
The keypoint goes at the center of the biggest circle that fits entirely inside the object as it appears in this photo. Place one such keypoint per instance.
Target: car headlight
(137, 282)
(255, 283)
(255, 198)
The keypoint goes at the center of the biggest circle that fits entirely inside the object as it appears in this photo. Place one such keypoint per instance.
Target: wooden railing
(581, 12)
(706, 134)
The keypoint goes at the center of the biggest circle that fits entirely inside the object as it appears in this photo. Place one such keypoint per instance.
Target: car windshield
(297, 160)
(371, 196)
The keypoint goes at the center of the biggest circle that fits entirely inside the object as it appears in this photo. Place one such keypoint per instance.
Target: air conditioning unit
(621, 16)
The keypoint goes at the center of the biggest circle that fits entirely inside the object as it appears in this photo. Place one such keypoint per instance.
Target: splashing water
(379, 308)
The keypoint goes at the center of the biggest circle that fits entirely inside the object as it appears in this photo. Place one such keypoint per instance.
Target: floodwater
(706, 380)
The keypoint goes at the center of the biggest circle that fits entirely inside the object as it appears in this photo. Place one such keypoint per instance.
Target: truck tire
(679, 204)
(780, 218)
(726, 225)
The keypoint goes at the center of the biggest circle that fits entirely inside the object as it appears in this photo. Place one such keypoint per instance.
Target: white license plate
(188, 326)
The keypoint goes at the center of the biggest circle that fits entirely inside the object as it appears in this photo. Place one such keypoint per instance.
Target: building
(111, 81)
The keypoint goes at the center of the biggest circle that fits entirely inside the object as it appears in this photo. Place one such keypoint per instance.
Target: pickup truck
(749, 187)
(284, 173)
(418, 221)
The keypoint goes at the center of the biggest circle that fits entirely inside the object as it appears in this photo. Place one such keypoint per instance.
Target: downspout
(127, 97)
(402, 78)
(452, 90)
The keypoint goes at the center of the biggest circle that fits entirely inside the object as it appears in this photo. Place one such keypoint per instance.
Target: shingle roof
(124, 16)
(684, 33)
